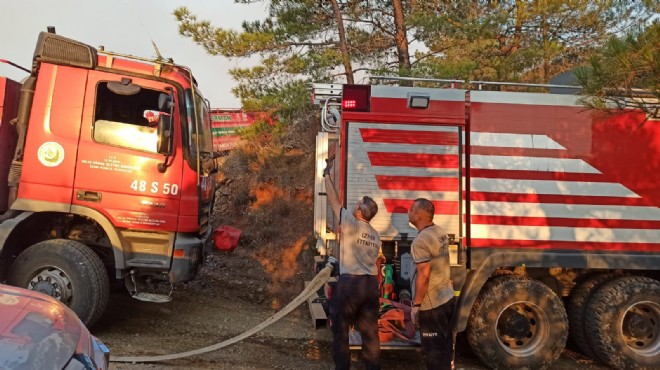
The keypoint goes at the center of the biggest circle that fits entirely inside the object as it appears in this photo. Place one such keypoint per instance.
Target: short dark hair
(368, 207)
(425, 206)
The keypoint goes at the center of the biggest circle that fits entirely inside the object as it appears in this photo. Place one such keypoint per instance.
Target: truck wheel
(577, 306)
(68, 271)
(517, 322)
(623, 323)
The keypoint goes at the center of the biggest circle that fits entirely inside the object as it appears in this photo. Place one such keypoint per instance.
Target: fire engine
(552, 210)
(107, 161)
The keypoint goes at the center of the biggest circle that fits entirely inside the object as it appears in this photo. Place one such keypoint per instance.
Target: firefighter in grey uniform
(355, 300)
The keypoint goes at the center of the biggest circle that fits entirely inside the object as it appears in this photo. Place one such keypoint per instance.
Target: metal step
(152, 297)
(355, 342)
(316, 309)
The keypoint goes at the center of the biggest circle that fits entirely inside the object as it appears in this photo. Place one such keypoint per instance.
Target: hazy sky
(127, 27)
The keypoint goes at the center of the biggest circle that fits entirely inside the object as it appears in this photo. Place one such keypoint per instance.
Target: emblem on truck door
(50, 154)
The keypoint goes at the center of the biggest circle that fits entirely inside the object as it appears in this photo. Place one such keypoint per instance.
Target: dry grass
(266, 190)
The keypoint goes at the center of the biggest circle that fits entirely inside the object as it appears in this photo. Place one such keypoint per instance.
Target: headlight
(98, 360)
(101, 351)
(81, 361)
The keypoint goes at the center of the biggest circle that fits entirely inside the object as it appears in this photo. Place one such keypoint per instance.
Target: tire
(517, 322)
(68, 271)
(623, 323)
(577, 306)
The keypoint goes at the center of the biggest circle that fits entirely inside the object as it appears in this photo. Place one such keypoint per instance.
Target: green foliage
(625, 65)
(517, 40)
(292, 46)
(298, 42)
(218, 41)
(507, 40)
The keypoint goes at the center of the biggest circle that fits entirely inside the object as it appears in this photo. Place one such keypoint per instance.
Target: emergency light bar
(355, 98)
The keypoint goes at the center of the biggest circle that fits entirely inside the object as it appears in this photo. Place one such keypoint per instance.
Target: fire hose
(321, 278)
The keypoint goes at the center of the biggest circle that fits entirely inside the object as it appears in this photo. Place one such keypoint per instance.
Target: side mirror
(165, 102)
(125, 87)
(164, 131)
(164, 135)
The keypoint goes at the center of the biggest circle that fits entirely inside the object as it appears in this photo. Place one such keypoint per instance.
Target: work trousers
(436, 334)
(355, 302)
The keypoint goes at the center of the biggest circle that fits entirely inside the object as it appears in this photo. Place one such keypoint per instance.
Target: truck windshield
(199, 124)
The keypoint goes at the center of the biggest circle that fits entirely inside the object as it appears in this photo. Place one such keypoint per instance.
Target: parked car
(39, 332)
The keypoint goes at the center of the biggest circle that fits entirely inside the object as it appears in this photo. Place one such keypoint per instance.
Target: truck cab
(109, 176)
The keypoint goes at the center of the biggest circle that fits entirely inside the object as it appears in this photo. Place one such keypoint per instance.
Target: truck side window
(120, 119)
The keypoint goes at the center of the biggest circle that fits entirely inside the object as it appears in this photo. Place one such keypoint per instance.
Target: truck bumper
(186, 259)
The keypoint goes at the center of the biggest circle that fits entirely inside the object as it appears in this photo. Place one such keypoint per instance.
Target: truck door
(398, 163)
(117, 167)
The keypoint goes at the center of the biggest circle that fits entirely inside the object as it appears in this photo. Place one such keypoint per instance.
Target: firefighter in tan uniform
(433, 292)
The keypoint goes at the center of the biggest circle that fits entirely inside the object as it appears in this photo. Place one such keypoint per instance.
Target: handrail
(168, 61)
(522, 84)
(491, 83)
(420, 79)
(325, 124)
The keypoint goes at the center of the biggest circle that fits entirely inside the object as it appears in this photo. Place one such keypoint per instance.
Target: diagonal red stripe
(413, 160)
(373, 135)
(442, 207)
(417, 183)
(559, 199)
(550, 244)
(566, 222)
(519, 152)
(537, 175)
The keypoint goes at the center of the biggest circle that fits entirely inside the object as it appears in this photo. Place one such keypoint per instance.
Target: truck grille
(61, 50)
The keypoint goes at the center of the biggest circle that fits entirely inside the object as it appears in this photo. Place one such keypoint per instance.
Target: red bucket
(225, 238)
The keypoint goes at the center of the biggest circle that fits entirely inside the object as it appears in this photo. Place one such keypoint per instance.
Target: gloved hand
(414, 316)
(333, 263)
(328, 166)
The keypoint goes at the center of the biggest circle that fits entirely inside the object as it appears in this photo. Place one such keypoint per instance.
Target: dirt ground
(229, 296)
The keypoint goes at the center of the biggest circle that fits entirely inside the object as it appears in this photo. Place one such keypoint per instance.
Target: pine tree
(517, 40)
(625, 73)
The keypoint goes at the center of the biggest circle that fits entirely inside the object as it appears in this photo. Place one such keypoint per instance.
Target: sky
(127, 27)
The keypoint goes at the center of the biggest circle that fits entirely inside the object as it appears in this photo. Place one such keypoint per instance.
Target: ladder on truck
(329, 97)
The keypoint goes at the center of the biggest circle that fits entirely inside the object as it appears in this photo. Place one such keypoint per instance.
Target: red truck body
(541, 174)
(110, 160)
(538, 194)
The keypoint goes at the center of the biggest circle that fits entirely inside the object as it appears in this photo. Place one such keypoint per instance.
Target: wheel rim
(53, 282)
(640, 328)
(522, 328)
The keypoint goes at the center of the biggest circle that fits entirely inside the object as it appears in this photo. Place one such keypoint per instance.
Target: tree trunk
(546, 42)
(343, 46)
(517, 35)
(401, 38)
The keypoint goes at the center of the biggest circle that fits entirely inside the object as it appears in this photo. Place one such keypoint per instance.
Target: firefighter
(433, 292)
(355, 300)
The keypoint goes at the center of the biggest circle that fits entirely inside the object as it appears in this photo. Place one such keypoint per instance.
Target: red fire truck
(552, 209)
(107, 161)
